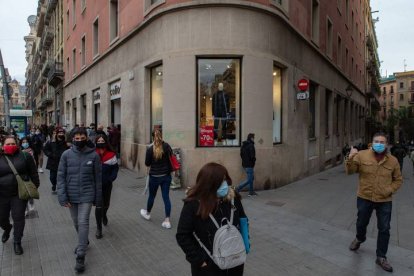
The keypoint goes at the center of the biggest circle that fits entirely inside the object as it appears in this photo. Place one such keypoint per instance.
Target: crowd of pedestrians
(83, 164)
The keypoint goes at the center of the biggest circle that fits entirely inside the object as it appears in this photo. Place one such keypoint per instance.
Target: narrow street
(301, 229)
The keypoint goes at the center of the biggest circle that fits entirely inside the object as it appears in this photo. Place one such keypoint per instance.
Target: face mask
(10, 149)
(101, 145)
(80, 144)
(378, 148)
(25, 145)
(223, 190)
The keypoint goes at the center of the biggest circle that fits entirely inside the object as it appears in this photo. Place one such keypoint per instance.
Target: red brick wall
(132, 14)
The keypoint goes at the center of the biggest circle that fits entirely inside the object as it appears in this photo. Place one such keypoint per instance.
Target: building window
(156, 97)
(284, 4)
(329, 37)
(328, 97)
(74, 61)
(67, 23)
(152, 4)
(315, 21)
(346, 60)
(339, 54)
(401, 97)
(83, 51)
(412, 85)
(218, 118)
(340, 6)
(96, 37)
(277, 105)
(392, 89)
(74, 12)
(346, 11)
(68, 65)
(113, 19)
(352, 24)
(384, 90)
(312, 110)
(83, 5)
(337, 108)
(401, 85)
(352, 68)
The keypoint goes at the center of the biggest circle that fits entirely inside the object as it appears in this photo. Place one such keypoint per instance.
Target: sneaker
(53, 188)
(252, 194)
(80, 264)
(26, 213)
(31, 207)
(384, 264)
(166, 224)
(355, 244)
(145, 214)
(40, 170)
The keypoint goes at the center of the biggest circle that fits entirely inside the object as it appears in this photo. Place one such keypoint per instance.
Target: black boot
(105, 218)
(18, 250)
(6, 234)
(53, 189)
(80, 264)
(98, 216)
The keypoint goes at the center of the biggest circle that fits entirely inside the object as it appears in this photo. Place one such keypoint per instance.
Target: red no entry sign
(303, 84)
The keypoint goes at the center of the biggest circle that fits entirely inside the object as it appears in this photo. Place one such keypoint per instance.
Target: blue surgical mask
(223, 190)
(25, 145)
(378, 147)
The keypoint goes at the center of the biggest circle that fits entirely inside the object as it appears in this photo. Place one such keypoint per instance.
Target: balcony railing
(51, 5)
(48, 36)
(46, 69)
(56, 74)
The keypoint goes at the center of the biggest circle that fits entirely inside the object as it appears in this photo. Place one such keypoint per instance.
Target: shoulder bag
(27, 189)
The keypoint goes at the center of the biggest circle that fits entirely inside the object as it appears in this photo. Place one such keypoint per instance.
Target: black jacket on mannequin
(221, 104)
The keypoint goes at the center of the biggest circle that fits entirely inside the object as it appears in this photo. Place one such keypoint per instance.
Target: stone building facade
(209, 72)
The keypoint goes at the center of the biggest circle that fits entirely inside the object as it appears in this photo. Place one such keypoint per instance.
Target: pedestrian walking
(100, 130)
(79, 186)
(399, 152)
(109, 174)
(92, 132)
(9, 196)
(212, 197)
(379, 178)
(248, 156)
(25, 147)
(37, 140)
(53, 150)
(114, 136)
(157, 159)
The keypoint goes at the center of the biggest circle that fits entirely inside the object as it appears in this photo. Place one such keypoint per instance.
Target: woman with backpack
(109, 174)
(157, 159)
(12, 158)
(212, 195)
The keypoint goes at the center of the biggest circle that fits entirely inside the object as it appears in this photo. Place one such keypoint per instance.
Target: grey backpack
(228, 246)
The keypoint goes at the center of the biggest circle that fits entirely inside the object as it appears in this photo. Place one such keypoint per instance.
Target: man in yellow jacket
(379, 178)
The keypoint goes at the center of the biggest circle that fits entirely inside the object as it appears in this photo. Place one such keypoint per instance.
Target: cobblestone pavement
(301, 229)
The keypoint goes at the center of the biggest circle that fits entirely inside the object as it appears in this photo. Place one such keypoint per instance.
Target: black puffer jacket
(162, 166)
(53, 151)
(26, 168)
(205, 229)
(248, 154)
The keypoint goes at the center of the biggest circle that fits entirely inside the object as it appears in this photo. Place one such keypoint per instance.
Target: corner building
(209, 72)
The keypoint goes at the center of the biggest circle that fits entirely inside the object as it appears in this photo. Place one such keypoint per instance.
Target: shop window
(312, 110)
(277, 105)
(218, 118)
(156, 97)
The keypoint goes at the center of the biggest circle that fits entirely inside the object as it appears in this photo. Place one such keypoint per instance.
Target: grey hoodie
(79, 178)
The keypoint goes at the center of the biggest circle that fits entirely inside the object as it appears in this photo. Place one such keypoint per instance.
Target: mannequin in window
(220, 104)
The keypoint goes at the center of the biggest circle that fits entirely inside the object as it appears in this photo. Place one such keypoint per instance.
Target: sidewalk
(301, 229)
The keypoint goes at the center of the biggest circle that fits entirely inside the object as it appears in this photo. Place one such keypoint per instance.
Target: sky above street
(395, 32)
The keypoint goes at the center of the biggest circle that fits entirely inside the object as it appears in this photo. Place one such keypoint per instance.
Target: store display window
(218, 112)
(156, 97)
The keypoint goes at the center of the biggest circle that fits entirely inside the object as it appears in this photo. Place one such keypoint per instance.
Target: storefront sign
(115, 90)
(96, 96)
(207, 136)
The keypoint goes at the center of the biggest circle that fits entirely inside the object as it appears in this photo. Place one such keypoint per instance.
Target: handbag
(175, 165)
(27, 189)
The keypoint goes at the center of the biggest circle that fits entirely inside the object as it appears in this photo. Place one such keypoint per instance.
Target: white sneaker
(40, 170)
(31, 207)
(145, 214)
(26, 213)
(166, 224)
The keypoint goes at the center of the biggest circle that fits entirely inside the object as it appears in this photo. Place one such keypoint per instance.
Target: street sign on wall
(303, 84)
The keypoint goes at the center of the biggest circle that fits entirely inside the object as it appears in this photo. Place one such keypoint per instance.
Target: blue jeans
(154, 183)
(248, 181)
(80, 213)
(383, 212)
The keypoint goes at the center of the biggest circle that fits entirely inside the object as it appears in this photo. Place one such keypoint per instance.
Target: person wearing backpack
(204, 224)
(248, 156)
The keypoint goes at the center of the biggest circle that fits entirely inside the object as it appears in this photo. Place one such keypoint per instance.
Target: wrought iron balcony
(46, 69)
(56, 74)
(48, 36)
(51, 5)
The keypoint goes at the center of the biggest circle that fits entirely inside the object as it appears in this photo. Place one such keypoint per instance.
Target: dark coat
(248, 154)
(36, 142)
(114, 137)
(399, 152)
(161, 166)
(205, 230)
(54, 151)
(26, 168)
(79, 178)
